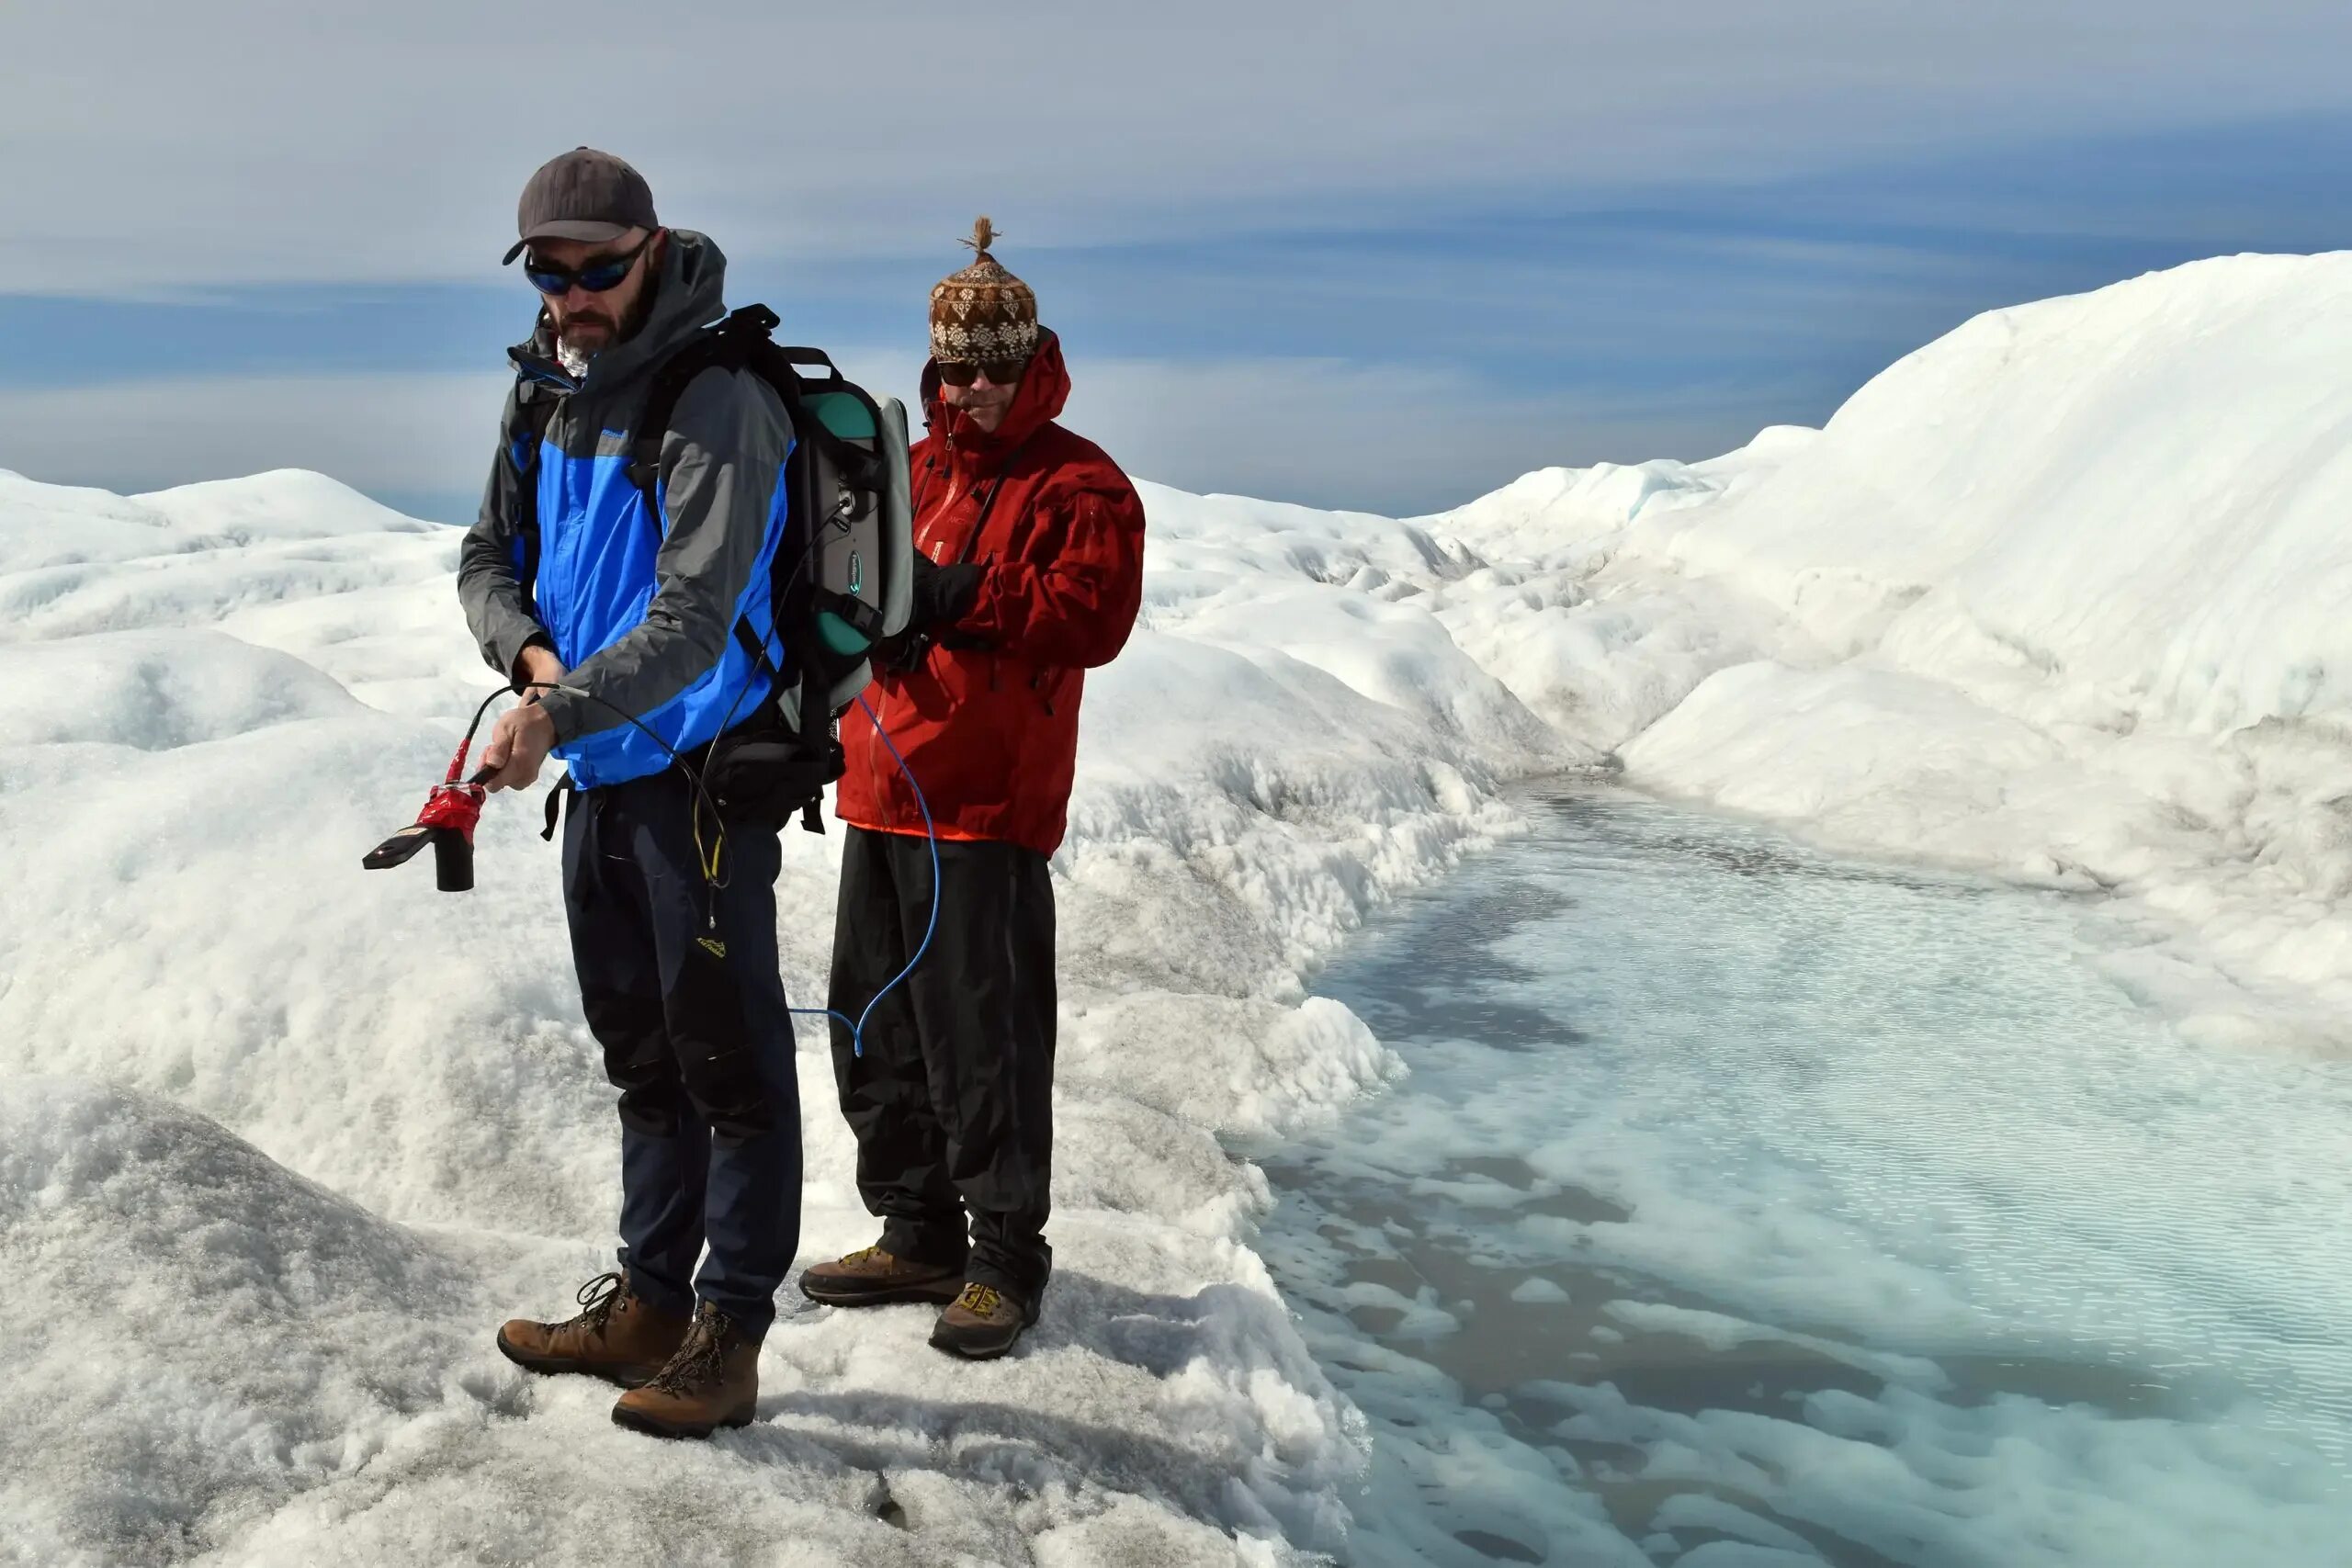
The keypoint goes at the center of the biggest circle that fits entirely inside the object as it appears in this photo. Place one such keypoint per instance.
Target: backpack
(842, 580)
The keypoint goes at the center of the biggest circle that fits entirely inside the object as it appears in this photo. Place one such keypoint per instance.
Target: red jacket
(990, 731)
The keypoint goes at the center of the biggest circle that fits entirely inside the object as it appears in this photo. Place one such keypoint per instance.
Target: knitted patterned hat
(982, 313)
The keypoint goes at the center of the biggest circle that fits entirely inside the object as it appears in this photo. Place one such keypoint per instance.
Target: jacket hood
(690, 295)
(1043, 392)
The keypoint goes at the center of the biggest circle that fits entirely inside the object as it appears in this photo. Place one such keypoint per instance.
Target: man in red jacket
(1028, 573)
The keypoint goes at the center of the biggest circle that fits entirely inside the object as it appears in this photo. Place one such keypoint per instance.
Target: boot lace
(981, 1301)
(863, 1255)
(596, 1299)
(701, 1358)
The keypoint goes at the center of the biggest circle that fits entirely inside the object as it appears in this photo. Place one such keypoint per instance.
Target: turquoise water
(1746, 1208)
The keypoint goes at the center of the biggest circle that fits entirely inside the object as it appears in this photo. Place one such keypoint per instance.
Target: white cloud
(155, 145)
(1383, 437)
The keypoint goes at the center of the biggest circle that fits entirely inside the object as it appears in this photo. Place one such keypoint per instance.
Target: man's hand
(521, 739)
(519, 744)
(537, 665)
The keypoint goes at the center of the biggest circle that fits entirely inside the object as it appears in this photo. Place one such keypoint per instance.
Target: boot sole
(558, 1366)
(637, 1422)
(938, 1294)
(976, 1352)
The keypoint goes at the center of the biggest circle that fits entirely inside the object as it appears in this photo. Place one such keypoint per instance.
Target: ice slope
(2061, 595)
(280, 1141)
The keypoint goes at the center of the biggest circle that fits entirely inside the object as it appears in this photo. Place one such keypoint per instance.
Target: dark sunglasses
(599, 277)
(964, 372)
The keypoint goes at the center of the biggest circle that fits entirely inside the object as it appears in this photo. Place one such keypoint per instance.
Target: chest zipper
(873, 759)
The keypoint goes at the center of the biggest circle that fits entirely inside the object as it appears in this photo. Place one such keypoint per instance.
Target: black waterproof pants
(691, 1016)
(952, 1102)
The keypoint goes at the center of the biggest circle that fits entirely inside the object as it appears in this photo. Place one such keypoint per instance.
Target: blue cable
(930, 834)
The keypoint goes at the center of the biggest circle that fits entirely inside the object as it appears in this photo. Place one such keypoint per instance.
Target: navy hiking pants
(691, 1015)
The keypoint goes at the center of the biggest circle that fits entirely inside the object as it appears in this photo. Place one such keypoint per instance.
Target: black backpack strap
(739, 343)
(525, 433)
(730, 344)
(563, 790)
(811, 356)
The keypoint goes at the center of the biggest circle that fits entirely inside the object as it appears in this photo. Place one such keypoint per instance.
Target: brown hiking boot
(621, 1337)
(712, 1381)
(871, 1276)
(981, 1324)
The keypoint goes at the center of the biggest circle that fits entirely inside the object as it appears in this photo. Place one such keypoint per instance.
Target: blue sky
(1391, 270)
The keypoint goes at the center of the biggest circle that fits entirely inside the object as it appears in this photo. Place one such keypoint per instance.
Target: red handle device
(446, 823)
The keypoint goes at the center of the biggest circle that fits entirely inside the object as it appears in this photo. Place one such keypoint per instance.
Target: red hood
(1045, 388)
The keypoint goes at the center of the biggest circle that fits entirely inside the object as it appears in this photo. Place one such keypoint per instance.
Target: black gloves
(943, 594)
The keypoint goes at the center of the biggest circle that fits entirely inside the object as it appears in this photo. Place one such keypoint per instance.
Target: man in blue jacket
(619, 625)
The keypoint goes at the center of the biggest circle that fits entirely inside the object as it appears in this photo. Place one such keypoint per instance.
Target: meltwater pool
(1746, 1207)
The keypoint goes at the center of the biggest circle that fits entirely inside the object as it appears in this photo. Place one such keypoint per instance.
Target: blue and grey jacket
(640, 610)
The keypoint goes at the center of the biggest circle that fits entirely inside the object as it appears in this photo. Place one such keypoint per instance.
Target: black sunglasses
(964, 372)
(599, 277)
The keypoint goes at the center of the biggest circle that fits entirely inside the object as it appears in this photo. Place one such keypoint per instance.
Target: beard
(586, 333)
(582, 338)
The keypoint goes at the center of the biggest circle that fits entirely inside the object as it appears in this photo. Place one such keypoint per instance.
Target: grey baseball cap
(584, 195)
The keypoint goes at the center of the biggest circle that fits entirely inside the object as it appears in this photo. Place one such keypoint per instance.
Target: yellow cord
(715, 850)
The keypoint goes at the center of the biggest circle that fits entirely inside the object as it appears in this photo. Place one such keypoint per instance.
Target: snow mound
(52, 525)
(156, 691)
(226, 554)
(181, 1307)
(1545, 518)
(285, 503)
(2059, 595)
(2140, 490)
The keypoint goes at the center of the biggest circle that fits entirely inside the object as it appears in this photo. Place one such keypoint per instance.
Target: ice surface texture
(1741, 1194)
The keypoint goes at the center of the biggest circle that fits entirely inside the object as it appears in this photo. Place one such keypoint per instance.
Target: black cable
(475, 726)
(692, 776)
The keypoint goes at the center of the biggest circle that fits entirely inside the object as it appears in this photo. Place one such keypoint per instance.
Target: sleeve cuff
(514, 657)
(564, 709)
(504, 649)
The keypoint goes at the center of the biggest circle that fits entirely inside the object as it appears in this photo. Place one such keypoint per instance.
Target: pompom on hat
(982, 314)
